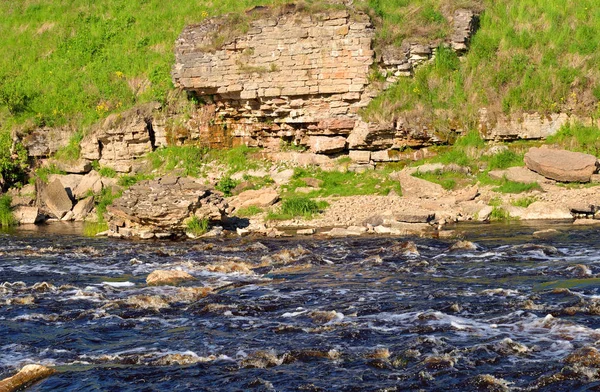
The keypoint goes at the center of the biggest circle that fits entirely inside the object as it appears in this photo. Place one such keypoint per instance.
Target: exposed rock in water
(585, 356)
(323, 317)
(181, 359)
(463, 245)
(229, 267)
(161, 207)
(28, 375)
(561, 165)
(262, 360)
(173, 277)
(152, 302)
(487, 382)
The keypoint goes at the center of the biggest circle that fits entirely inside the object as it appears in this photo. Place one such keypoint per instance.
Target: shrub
(6, 215)
(13, 160)
(226, 185)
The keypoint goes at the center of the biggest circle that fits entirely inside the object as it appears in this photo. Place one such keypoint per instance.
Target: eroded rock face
(561, 165)
(122, 138)
(161, 207)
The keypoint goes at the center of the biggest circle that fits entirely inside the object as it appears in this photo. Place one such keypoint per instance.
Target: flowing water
(351, 314)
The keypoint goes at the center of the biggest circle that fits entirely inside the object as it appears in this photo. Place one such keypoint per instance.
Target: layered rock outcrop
(161, 208)
(299, 77)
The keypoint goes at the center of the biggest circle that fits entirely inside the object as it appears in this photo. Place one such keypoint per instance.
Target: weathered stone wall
(295, 76)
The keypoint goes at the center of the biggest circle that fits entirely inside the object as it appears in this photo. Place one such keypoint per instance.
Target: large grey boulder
(83, 208)
(561, 165)
(90, 183)
(163, 207)
(57, 200)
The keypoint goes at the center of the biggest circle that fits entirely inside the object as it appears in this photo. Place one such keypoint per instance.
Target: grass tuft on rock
(297, 206)
(197, 226)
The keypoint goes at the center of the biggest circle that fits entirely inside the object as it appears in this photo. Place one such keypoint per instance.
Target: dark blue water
(366, 314)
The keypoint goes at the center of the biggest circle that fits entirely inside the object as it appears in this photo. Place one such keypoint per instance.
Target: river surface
(352, 314)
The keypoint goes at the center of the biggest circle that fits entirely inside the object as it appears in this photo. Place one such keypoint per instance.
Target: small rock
(313, 182)
(463, 245)
(172, 277)
(586, 222)
(545, 233)
(258, 198)
(306, 231)
(585, 356)
(382, 229)
(283, 177)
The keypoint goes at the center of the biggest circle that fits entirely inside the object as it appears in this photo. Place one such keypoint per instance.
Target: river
(350, 314)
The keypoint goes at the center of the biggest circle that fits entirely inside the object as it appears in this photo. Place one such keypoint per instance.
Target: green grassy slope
(529, 55)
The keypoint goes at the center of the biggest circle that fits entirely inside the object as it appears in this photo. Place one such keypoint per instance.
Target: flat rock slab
(56, 199)
(413, 187)
(415, 216)
(561, 165)
(540, 210)
(256, 198)
(518, 174)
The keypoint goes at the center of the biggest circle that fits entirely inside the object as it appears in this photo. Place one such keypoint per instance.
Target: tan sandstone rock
(164, 277)
(258, 198)
(28, 375)
(561, 165)
(57, 200)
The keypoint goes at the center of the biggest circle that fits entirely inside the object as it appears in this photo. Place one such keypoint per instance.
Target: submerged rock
(487, 382)
(163, 277)
(585, 356)
(463, 245)
(230, 267)
(28, 375)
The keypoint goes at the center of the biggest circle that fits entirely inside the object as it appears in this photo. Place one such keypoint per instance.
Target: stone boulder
(561, 165)
(55, 197)
(28, 375)
(26, 215)
(163, 277)
(78, 166)
(257, 198)
(162, 207)
(91, 182)
(83, 208)
(413, 187)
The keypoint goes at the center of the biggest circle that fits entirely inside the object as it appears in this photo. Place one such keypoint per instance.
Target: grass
(197, 226)
(107, 172)
(91, 229)
(129, 180)
(187, 160)
(577, 137)
(85, 60)
(524, 201)
(517, 187)
(104, 199)
(7, 218)
(337, 183)
(528, 56)
(447, 179)
(297, 206)
(499, 214)
(248, 212)
(71, 151)
(43, 173)
(504, 160)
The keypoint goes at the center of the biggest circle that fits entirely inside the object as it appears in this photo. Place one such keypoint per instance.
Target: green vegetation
(129, 180)
(226, 185)
(197, 226)
(71, 151)
(186, 160)
(524, 201)
(577, 137)
(297, 206)
(13, 160)
(43, 173)
(447, 179)
(499, 214)
(103, 200)
(107, 172)
(6, 215)
(337, 183)
(90, 229)
(248, 212)
(528, 56)
(516, 187)
(504, 160)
